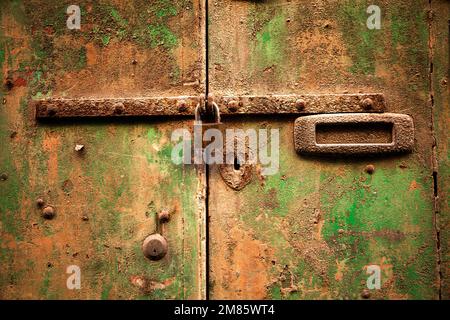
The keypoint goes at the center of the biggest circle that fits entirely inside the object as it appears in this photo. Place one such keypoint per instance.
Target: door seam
(435, 174)
(207, 169)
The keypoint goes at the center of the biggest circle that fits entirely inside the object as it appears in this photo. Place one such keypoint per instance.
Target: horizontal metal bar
(228, 105)
(115, 107)
(302, 104)
(402, 126)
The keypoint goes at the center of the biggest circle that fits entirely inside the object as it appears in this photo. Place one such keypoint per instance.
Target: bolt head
(164, 216)
(40, 202)
(155, 247)
(233, 105)
(182, 106)
(365, 294)
(119, 108)
(370, 169)
(52, 110)
(48, 213)
(300, 104)
(367, 104)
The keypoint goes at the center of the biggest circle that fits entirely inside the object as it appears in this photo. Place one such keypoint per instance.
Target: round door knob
(155, 247)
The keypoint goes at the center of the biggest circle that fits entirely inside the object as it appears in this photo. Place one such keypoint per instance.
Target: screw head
(4, 176)
(300, 104)
(40, 202)
(181, 104)
(164, 216)
(233, 105)
(155, 247)
(52, 110)
(370, 169)
(48, 213)
(367, 104)
(119, 108)
(365, 294)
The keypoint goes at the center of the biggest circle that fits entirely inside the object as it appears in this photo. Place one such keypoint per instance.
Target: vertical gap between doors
(207, 169)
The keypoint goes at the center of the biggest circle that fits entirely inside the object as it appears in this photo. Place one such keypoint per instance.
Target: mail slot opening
(354, 133)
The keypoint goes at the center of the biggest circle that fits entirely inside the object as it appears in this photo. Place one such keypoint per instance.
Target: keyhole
(237, 165)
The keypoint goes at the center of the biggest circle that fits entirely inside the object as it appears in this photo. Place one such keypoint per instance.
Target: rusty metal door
(319, 227)
(81, 196)
(78, 197)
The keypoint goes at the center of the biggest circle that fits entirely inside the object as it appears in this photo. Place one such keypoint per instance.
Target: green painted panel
(106, 197)
(311, 230)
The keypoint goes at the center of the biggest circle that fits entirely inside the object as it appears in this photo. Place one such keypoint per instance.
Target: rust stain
(91, 54)
(51, 144)
(341, 269)
(250, 260)
(147, 286)
(413, 185)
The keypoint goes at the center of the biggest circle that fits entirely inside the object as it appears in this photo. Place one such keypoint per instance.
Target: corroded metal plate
(305, 134)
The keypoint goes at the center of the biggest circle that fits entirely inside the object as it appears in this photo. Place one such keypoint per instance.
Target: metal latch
(54, 108)
(354, 133)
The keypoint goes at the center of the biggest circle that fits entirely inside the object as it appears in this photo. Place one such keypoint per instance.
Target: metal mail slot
(398, 137)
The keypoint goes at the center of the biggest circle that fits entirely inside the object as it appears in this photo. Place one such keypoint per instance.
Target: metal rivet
(233, 105)
(365, 294)
(48, 213)
(300, 104)
(164, 216)
(181, 104)
(370, 169)
(40, 202)
(367, 103)
(52, 110)
(9, 84)
(155, 247)
(4, 176)
(119, 108)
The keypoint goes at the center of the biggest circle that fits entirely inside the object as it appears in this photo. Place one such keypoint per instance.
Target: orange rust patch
(50, 144)
(91, 54)
(242, 269)
(413, 185)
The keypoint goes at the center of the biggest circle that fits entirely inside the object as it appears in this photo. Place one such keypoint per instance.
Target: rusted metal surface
(106, 195)
(236, 179)
(311, 230)
(440, 99)
(300, 104)
(75, 108)
(305, 132)
(155, 247)
(183, 106)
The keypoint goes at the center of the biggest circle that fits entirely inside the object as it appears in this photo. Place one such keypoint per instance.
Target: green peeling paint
(270, 42)
(363, 44)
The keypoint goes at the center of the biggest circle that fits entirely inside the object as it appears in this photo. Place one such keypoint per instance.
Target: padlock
(204, 130)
